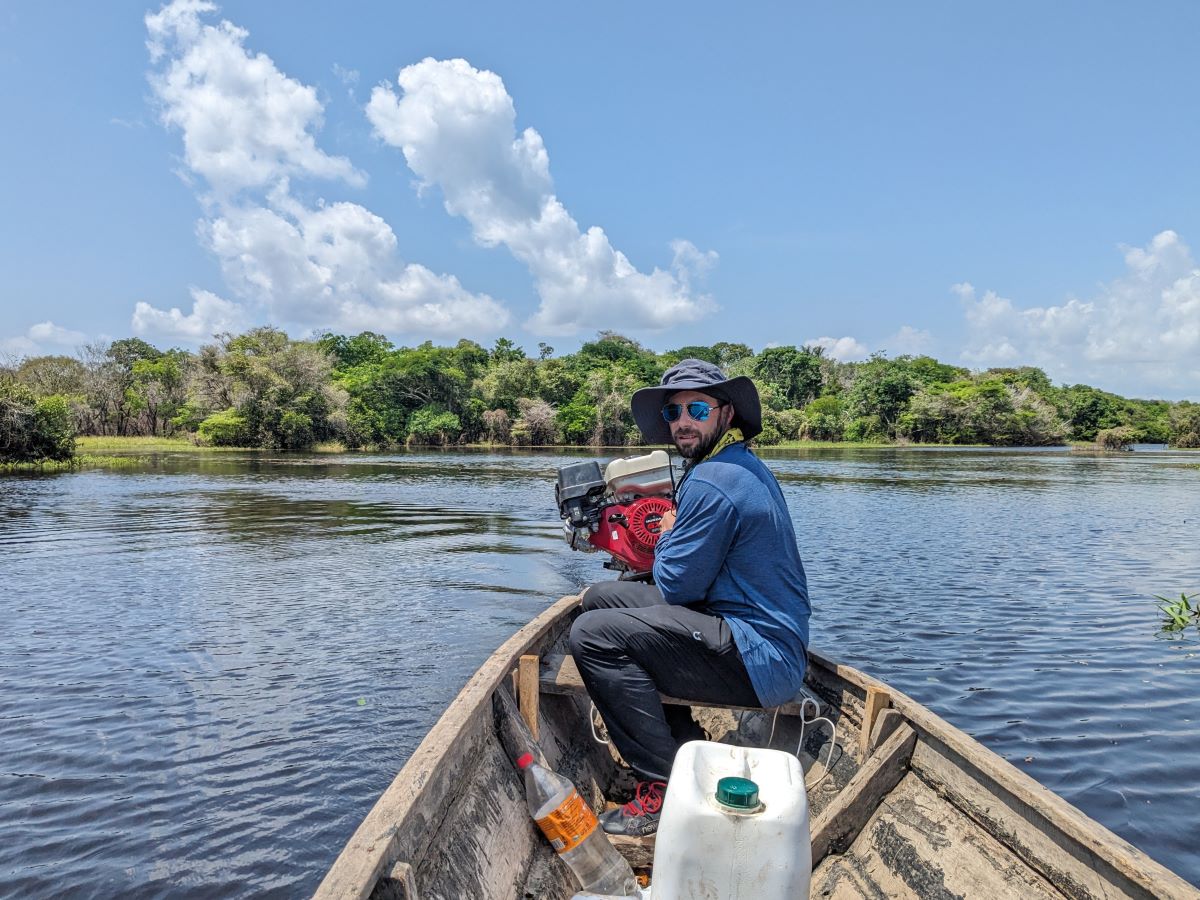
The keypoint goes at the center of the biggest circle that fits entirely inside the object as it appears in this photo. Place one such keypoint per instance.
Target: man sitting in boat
(726, 619)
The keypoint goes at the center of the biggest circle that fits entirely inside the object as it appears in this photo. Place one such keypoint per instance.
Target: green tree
(279, 393)
(536, 426)
(506, 350)
(1185, 424)
(796, 374)
(728, 354)
(1119, 438)
(824, 420)
(621, 354)
(986, 410)
(155, 394)
(431, 425)
(557, 382)
(693, 351)
(506, 381)
(577, 419)
(879, 395)
(1088, 410)
(348, 352)
(928, 370)
(33, 429)
(46, 375)
(498, 426)
(225, 429)
(1024, 376)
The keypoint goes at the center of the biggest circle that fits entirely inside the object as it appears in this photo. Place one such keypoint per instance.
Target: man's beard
(701, 449)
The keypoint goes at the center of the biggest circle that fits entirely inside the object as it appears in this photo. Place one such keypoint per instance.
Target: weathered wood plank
(398, 884)
(876, 702)
(920, 847)
(403, 821)
(1084, 863)
(842, 820)
(528, 692)
(486, 840)
(513, 730)
(638, 851)
(1075, 834)
(885, 726)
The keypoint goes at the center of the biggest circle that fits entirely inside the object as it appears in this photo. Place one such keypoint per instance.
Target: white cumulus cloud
(210, 315)
(338, 263)
(846, 349)
(1140, 334)
(456, 126)
(249, 132)
(244, 122)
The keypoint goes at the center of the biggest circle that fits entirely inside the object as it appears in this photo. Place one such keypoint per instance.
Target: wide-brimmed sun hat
(696, 375)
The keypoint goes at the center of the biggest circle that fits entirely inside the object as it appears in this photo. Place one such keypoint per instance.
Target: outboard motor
(619, 510)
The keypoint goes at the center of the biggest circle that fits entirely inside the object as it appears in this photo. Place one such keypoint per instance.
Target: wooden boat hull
(908, 806)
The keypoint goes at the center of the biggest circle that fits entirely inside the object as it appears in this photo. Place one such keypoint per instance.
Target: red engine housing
(630, 530)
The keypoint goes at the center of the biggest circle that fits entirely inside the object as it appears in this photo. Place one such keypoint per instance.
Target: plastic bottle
(571, 827)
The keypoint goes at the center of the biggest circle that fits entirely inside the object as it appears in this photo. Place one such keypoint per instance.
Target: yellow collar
(732, 436)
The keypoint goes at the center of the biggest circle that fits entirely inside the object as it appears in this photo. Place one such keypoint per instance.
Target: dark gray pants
(630, 645)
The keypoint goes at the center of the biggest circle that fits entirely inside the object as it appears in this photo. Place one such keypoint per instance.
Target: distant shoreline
(106, 444)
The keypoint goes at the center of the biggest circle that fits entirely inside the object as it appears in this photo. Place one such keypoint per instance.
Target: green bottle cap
(739, 793)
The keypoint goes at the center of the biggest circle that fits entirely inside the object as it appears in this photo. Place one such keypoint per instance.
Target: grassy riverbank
(129, 452)
(108, 444)
(170, 445)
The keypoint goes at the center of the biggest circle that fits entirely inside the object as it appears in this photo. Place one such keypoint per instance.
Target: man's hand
(667, 522)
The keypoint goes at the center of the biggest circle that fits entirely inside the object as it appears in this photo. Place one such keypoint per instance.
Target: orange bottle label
(568, 826)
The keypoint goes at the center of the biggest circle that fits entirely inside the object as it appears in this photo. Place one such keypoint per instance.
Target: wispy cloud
(846, 349)
(456, 126)
(249, 131)
(348, 78)
(908, 340)
(1139, 334)
(42, 338)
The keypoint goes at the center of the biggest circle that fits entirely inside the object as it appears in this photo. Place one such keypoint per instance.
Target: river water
(212, 664)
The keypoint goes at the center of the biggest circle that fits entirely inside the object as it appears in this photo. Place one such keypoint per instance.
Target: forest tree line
(263, 389)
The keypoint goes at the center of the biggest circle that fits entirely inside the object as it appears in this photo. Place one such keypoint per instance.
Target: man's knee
(578, 636)
(586, 636)
(595, 597)
(604, 595)
(620, 595)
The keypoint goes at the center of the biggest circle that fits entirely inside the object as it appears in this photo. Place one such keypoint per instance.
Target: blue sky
(999, 185)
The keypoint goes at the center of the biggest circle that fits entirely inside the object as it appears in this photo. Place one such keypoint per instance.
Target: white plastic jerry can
(734, 826)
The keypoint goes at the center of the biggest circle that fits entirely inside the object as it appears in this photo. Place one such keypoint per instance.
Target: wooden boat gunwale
(1073, 852)
(422, 783)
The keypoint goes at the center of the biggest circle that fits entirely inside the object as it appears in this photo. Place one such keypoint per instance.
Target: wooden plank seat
(558, 674)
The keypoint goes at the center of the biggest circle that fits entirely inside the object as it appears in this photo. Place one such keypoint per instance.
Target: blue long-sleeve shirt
(733, 552)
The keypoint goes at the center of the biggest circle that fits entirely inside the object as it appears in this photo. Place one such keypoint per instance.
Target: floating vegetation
(1178, 614)
(74, 464)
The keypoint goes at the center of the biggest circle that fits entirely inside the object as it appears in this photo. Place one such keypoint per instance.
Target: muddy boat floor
(917, 845)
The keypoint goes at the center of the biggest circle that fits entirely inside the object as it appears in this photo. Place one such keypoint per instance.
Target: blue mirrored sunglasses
(697, 409)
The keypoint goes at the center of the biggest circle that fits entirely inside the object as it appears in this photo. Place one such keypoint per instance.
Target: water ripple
(213, 665)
